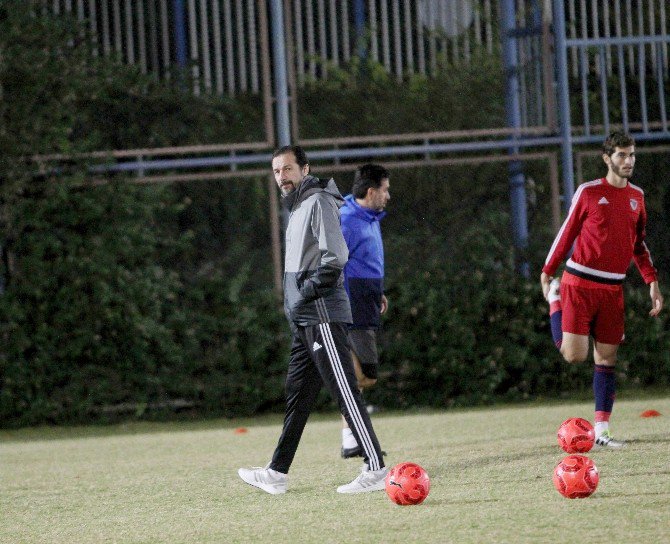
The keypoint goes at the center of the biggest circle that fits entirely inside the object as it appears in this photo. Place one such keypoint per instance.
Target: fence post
(564, 104)
(280, 73)
(179, 22)
(359, 25)
(517, 179)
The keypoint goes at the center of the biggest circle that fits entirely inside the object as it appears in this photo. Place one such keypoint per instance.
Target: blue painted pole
(359, 25)
(280, 73)
(564, 105)
(517, 180)
(179, 25)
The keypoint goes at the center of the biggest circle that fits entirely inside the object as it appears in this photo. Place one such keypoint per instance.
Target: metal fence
(218, 40)
(616, 41)
(568, 50)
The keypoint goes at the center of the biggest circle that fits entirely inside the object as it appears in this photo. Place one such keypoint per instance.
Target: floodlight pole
(280, 73)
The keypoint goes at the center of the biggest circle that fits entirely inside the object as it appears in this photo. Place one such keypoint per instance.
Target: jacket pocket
(293, 299)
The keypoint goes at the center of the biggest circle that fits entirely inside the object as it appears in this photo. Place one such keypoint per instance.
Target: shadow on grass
(660, 439)
(502, 457)
(654, 473)
(448, 502)
(603, 496)
(53, 432)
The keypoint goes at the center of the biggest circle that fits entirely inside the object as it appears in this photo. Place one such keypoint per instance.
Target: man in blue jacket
(364, 277)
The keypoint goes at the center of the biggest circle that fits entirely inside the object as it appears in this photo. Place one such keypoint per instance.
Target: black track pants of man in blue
(320, 355)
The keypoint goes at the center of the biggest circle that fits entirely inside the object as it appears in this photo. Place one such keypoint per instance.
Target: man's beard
(619, 172)
(287, 189)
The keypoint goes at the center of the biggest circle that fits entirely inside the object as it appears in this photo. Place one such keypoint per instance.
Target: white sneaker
(554, 294)
(605, 440)
(268, 480)
(367, 480)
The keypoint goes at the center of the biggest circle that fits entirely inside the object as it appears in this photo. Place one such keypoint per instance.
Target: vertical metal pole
(555, 192)
(165, 38)
(242, 47)
(218, 47)
(547, 68)
(130, 39)
(229, 47)
(290, 63)
(564, 105)
(359, 25)
(193, 44)
(179, 22)
(141, 37)
(275, 228)
(280, 73)
(266, 71)
(253, 48)
(335, 31)
(517, 180)
(203, 34)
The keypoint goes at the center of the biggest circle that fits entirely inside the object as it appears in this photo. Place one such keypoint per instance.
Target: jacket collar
(308, 186)
(367, 214)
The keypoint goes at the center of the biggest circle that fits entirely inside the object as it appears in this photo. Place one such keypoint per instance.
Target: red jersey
(607, 226)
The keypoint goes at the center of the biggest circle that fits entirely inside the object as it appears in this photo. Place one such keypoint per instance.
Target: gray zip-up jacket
(315, 255)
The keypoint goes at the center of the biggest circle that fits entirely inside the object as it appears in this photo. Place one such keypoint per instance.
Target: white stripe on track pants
(320, 354)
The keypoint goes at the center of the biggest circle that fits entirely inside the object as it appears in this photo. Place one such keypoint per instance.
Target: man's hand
(656, 299)
(545, 280)
(385, 305)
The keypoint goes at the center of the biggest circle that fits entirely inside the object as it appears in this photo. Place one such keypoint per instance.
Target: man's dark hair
(299, 152)
(617, 139)
(368, 175)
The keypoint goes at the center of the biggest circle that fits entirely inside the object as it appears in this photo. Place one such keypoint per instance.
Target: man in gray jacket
(317, 308)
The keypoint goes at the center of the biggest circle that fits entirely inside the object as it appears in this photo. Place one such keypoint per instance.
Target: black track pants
(320, 355)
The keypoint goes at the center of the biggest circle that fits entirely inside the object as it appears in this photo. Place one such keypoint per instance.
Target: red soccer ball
(576, 477)
(407, 483)
(576, 435)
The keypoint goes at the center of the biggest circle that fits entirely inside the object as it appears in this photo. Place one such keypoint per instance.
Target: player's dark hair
(617, 139)
(299, 152)
(368, 175)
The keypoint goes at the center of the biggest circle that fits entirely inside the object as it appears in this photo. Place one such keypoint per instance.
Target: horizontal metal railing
(400, 33)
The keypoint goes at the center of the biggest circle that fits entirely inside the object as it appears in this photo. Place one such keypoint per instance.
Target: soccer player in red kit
(606, 223)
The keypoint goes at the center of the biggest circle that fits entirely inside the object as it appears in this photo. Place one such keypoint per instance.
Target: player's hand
(545, 280)
(385, 305)
(656, 299)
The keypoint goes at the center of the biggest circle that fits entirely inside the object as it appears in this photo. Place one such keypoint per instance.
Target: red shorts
(595, 312)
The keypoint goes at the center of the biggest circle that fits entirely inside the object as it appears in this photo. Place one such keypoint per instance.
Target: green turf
(490, 471)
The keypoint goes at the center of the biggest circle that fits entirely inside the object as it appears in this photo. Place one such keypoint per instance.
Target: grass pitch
(490, 474)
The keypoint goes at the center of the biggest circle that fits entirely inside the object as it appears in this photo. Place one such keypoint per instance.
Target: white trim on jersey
(651, 261)
(575, 198)
(594, 272)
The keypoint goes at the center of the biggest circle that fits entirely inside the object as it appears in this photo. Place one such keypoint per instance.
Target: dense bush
(88, 317)
(126, 300)
(364, 99)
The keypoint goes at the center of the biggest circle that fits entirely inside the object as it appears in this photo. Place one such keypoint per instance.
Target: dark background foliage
(146, 301)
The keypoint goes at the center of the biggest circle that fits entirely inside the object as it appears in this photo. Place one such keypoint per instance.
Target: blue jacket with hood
(364, 271)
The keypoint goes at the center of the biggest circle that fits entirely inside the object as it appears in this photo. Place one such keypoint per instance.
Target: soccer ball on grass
(576, 477)
(576, 435)
(407, 483)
